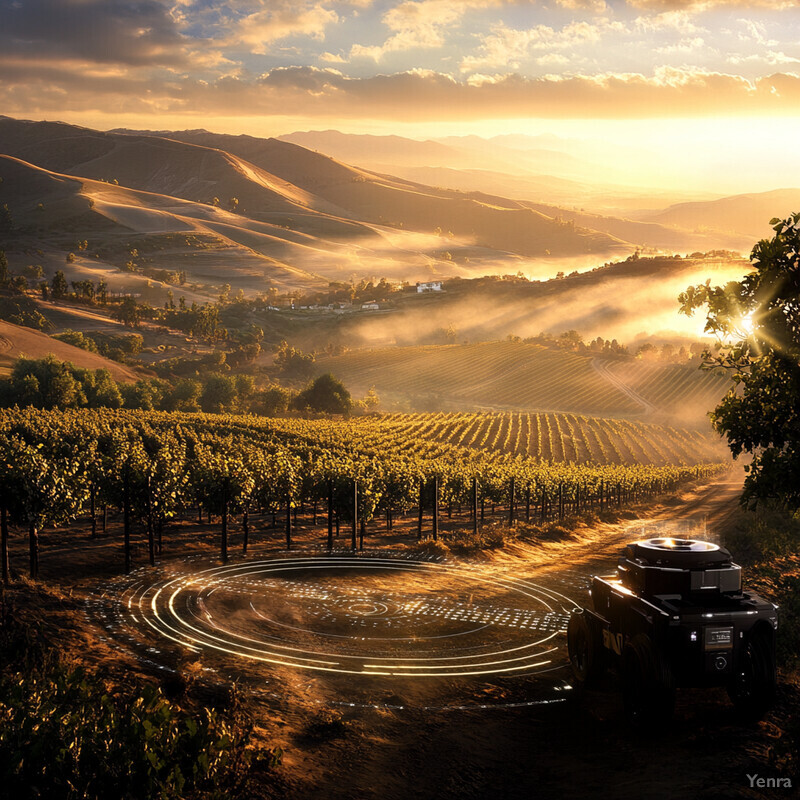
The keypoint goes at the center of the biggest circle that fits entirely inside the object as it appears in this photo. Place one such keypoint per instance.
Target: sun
(745, 325)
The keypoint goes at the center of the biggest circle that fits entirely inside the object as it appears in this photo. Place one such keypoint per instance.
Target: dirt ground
(356, 735)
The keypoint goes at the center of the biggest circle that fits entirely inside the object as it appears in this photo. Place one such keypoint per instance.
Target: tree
(756, 322)
(219, 394)
(128, 313)
(58, 286)
(327, 394)
(293, 363)
(46, 383)
(273, 400)
(223, 482)
(185, 396)
(3, 268)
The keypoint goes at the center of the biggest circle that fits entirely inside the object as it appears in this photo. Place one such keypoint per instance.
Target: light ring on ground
(356, 615)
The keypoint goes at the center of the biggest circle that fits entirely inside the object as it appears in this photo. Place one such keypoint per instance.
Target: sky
(417, 67)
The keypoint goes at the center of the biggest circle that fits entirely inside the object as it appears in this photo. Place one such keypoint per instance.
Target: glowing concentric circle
(369, 615)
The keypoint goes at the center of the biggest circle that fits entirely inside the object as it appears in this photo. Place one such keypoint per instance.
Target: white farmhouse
(432, 286)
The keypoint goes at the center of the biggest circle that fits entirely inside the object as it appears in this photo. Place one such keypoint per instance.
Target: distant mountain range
(746, 214)
(256, 212)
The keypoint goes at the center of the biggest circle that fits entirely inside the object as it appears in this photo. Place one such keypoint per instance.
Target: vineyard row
(54, 466)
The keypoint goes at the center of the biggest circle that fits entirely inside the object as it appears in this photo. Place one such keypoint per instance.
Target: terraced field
(562, 437)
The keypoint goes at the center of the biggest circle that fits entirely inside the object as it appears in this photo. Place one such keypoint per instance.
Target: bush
(466, 543)
(64, 734)
(22, 310)
(77, 339)
(765, 543)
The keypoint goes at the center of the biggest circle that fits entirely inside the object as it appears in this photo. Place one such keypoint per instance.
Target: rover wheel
(648, 687)
(585, 648)
(753, 688)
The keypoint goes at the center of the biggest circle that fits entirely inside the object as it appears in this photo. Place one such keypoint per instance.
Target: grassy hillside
(491, 222)
(489, 374)
(549, 181)
(301, 208)
(563, 437)
(516, 375)
(16, 341)
(51, 211)
(747, 214)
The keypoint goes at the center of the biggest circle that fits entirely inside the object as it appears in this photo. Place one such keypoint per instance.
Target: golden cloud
(416, 95)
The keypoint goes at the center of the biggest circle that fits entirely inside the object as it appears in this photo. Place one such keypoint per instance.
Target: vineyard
(518, 375)
(667, 386)
(561, 437)
(56, 466)
(491, 374)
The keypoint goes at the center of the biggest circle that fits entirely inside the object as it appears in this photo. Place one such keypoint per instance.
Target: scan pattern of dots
(340, 613)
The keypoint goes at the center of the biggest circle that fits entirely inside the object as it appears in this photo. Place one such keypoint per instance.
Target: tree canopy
(327, 394)
(756, 322)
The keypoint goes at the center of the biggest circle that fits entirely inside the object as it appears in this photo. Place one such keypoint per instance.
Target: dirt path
(602, 368)
(561, 750)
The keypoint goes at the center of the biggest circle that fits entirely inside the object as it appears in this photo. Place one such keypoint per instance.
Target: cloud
(419, 24)
(506, 46)
(130, 32)
(593, 6)
(418, 95)
(278, 19)
(706, 5)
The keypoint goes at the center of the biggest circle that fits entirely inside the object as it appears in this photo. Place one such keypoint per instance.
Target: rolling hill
(16, 342)
(53, 210)
(304, 210)
(548, 180)
(490, 375)
(745, 214)
(525, 376)
(487, 221)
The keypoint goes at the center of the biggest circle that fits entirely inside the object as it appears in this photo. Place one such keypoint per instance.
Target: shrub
(64, 734)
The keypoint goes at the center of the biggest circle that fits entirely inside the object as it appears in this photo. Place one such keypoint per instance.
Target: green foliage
(64, 734)
(219, 394)
(325, 394)
(273, 401)
(41, 487)
(757, 325)
(292, 363)
(765, 543)
(58, 286)
(117, 346)
(21, 310)
(145, 395)
(184, 396)
(128, 312)
(162, 462)
(50, 383)
(77, 339)
(33, 271)
(202, 321)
